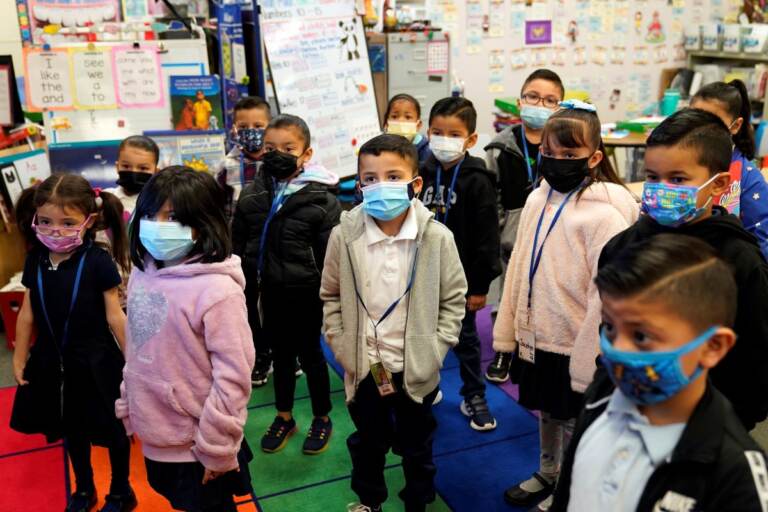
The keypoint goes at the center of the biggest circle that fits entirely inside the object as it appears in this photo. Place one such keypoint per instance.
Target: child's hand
(18, 372)
(476, 302)
(210, 475)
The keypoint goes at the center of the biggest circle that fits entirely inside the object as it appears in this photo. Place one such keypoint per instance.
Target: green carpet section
(290, 480)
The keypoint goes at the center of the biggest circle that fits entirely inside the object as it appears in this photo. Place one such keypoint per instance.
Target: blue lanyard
(392, 306)
(75, 290)
(445, 204)
(536, 256)
(277, 202)
(528, 158)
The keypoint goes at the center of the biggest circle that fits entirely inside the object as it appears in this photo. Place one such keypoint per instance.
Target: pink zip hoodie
(189, 355)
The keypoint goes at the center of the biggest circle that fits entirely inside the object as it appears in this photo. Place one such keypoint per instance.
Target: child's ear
(721, 184)
(717, 347)
(595, 159)
(471, 141)
(308, 155)
(419, 125)
(737, 124)
(417, 184)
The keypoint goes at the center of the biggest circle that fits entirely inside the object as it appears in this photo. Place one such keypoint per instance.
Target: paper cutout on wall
(48, 84)
(660, 55)
(541, 57)
(573, 31)
(558, 56)
(496, 16)
(638, 23)
(94, 84)
(614, 99)
(519, 58)
(138, 81)
(599, 55)
(678, 52)
(618, 54)
(655, 33)
(640, 55)
(580, 55)
(538, 32)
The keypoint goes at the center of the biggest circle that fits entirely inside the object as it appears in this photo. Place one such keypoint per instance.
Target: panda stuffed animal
(349, 41)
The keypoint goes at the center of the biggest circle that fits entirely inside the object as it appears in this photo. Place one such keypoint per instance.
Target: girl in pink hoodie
(550, 309)
(189, 353)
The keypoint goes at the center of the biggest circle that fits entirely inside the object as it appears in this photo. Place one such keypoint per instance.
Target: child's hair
(735, 98)
(681, 271)
(284, 121)
(198, 202)
(455, 107)
(403, 97)
(387, 143)
(74, 191)
(140, 142)
(576, 128)
(698, 129)
(545, 74)
(251, 103)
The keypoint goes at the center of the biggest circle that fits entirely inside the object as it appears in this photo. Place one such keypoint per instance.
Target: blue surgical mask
(535, 117)
(674, 205)
(165, 241)
(250, 139)
(647, 378)
(385, 201)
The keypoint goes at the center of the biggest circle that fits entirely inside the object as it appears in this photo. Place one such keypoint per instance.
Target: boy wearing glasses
(513, 157)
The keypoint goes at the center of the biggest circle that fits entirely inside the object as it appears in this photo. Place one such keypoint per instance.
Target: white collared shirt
(387, 270)
(617, 455)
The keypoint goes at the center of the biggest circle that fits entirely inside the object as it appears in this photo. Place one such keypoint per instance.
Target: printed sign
(137, 77)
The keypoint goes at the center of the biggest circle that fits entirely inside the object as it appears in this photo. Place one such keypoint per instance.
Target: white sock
(533, 484)
(547, 503)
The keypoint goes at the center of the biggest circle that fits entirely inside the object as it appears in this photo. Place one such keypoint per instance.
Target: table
(635, 142)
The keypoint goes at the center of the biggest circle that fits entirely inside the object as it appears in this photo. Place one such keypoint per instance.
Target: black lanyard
(75, 290)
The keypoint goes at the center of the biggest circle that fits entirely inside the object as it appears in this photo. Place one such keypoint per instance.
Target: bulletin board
(112, 89)
(320, 70)
(612, 49)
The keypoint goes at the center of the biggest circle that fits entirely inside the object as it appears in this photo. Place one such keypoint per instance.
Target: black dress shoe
(81, 502)
(120, 502)
(522, 498)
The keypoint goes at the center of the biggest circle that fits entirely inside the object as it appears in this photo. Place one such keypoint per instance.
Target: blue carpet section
(474, 468)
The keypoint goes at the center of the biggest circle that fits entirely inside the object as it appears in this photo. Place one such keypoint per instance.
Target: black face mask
(564, 175)
(280, 165)
(132, 181)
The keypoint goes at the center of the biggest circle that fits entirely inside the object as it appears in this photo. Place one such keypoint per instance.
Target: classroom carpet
(473, 468)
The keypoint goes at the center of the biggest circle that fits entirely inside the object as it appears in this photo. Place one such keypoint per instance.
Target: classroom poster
(196, 102)
(21, 171)
(6, 97)
(538, 32)
(234, 79)
(203, 151)
(92, 72)
(36, 14)
(94, 161)
(48, 80)
(138, 78)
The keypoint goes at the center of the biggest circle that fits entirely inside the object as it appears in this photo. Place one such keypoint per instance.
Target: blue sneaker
(318, 436)
(278, 434)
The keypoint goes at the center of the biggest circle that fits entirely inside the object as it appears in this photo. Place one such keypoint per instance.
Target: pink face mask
(66, 239)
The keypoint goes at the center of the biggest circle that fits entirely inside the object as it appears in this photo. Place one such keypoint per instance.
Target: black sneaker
(517, 496)
(260, 373)
(120, 502)
(498, 370)
(480, 417)
(277, 435)
(318, 436)
(81, 502)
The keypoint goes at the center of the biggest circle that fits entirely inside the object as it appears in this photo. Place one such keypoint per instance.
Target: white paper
(94, 83)
(6, 98)
(238, 61)
(138, 78)
(49, 80)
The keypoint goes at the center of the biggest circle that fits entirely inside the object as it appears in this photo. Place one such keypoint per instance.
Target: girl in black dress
(70, 378)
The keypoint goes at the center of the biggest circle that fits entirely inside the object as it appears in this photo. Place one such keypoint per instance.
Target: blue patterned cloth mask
(165, 241)
(648, 378)
(250, 139)
(673, 205)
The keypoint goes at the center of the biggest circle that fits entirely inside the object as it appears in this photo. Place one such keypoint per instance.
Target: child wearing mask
(137, 159)
(69, 378)
(687, 163)
(403, 117)
(550, 310)
(189, 350)
(747, 197)
(514, 157)
(655, 433)
(394, 291)
(461, 193)
(281, 228)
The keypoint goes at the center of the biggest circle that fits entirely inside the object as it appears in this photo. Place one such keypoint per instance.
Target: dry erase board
(123, 94)
(320, 70)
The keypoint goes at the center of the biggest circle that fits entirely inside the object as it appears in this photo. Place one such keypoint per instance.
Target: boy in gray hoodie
(394, 296)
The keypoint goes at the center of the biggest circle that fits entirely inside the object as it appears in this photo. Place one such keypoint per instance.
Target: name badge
(383, 379)
(526, 340)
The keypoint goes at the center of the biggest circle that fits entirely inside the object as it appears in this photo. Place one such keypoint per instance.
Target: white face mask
(446, 149)
(407, 129)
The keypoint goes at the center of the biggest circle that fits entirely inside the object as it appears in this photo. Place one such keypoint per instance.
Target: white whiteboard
(179, 57)
(319, 66)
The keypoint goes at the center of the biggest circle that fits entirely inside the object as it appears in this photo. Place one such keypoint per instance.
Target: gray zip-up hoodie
(436, 302)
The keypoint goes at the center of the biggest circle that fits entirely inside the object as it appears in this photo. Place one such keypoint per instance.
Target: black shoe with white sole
(519, 497)
(480, 417)
(498, 370)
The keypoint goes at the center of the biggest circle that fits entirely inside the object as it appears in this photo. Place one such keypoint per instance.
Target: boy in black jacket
(513, 155)
(665, 438)
(462, 194)
(687, 166)
(280, 230)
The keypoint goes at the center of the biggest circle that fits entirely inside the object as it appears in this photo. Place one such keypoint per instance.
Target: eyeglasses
(531, 98)
(61, 231)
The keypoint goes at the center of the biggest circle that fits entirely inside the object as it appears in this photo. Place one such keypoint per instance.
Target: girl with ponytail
(748, 195)
(69, 380)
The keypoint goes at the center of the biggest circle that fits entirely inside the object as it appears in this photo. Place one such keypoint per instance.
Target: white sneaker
(359, 507)
(438, 398)
(545, 505)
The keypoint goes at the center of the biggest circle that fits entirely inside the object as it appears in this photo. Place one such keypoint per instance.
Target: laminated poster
(48, 82)
(94, 82)
(538, 32)
(138, 79)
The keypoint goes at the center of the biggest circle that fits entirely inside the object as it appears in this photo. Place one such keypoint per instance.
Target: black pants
(292, 321)
(396, 422)
(260, 340)
(79, 450)
(468, 353)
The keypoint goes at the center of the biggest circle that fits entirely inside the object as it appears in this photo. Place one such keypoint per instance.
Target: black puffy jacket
(296, 238)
